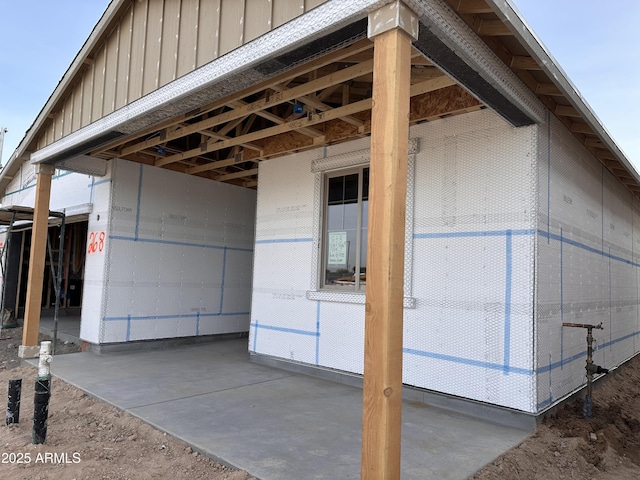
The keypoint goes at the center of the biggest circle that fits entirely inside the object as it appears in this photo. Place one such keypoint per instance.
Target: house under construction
(221, 171)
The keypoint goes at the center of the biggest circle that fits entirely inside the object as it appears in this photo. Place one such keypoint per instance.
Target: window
(340, 224)
(346, 201)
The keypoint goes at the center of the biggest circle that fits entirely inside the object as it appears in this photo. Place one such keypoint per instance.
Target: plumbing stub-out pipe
(42, 395)
(13, 401)
(44, 365)
(591, 368)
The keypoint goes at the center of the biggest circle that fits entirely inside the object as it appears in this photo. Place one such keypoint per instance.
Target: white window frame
(359, 170)
(337, 164)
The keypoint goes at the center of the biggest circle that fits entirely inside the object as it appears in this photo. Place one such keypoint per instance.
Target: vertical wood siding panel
(58, 121)
(138, 46)
(169, 51)
(87, 95)
(98, 84)
(124, 59)
(67, 115)
(188, 36)
(158, 41)
(50, 133)
(208, 31)
(154, 45)
(257, 18)
(309, 4)
(111, 72)
(231, 25)
(77, 105)
(285, 10)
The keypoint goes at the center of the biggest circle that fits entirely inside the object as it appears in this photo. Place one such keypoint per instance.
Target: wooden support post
(382, 394)
(29, 347)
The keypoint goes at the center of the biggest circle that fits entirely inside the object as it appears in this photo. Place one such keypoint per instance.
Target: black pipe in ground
(13, 401)
(41, 409)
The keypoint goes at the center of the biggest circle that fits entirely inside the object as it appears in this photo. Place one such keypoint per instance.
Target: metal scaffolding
(21, 217)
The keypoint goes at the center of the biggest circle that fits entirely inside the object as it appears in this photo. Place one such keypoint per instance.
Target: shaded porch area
(274, 423)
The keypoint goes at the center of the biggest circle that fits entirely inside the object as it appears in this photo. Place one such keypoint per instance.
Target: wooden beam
(548, 89)
(311, 132)
(581, 127)
(606, 155)
(241, 174)
(523, 62)
(493, 28)
(593, 142)
(382, 389)
(470, 7)
(615, 165)
(358, 47)
(217, 136)
(428, 102)
(313, 119)
(310, 120)
(566, 111)
(262, 104)
(622, 174)
(33, 302)
(324, 107)
(431, 85)
(418, 74)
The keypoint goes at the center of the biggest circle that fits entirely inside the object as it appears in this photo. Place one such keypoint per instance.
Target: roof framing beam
(472, 7)
(357, 48)
(259, 105)
(313, 119)
(524, 62)
(310, 120)
(492, 28)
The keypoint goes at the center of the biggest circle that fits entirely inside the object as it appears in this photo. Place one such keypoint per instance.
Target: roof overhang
(450, 38)
(512, 18)
(444, 39)
(325, 28)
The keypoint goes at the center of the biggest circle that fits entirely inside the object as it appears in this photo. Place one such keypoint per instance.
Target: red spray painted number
(96, 242)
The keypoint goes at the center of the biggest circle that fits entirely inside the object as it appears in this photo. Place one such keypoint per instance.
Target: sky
(598, 48)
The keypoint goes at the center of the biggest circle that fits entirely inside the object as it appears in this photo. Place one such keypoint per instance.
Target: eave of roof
(513, 19)
(22, 151)
(503, 9)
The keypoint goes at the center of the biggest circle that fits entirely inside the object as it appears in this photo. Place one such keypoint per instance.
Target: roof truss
(327, 100)
(322, 102)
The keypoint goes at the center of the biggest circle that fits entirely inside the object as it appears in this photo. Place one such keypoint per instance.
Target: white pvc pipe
(44, 365)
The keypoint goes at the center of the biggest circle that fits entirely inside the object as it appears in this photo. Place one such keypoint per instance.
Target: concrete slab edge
(194, 446)
(490, 413)
(141, 345)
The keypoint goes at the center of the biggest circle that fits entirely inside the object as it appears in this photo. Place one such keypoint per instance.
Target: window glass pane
(341, 257)
(351, 188)
(342, 210)
(335, 217)
(336, 190)
(351, 216)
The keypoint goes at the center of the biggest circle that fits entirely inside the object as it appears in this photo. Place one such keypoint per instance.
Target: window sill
(349, 297)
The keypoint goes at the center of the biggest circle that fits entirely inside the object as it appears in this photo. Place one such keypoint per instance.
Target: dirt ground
(88, 439)
(604, 447)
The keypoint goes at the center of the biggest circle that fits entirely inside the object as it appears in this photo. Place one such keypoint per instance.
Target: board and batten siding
(150, 43)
